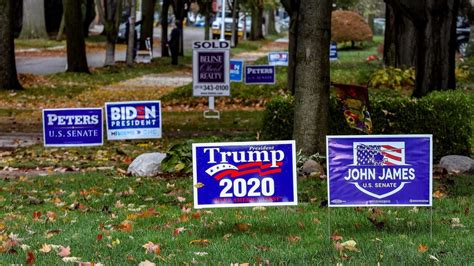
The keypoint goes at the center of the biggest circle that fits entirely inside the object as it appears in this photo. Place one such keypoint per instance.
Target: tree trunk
(146, 31)
(88, 16)
(131, 33)
(76, 46)
(59, 36)
(312, 77)
(8, 75)
(435, 27)
(110, 12)
(164, 28)
(34, 25)
(256, 32)
(435, 64)
(180, 13)
(271, 29)
(235, 19)
(207, 24)
(400, 39)
(291, 7)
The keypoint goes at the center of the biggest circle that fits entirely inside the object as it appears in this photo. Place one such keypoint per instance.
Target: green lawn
(105, 217)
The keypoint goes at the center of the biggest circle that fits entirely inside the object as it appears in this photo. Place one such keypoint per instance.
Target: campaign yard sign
(278, 58)
(333, 52)
(236, 70)
(211, 68)
(243, 174)
(72, 127)
(385, 170)
(260, 74)
(133, 120)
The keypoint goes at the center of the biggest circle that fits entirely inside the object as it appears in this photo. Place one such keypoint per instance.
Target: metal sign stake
(211, 112)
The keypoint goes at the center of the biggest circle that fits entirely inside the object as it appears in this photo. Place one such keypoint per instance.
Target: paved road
(55, 64)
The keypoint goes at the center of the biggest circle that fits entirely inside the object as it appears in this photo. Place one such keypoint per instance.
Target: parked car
(122, 31)
(216, 26)
(463, 31)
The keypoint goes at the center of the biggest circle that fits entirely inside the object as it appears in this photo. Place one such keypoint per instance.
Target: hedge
(448, 115)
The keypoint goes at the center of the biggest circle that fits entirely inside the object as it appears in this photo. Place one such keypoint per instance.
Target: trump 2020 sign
(133, 120)
(72, 127)
(243, 174)
(385, 170)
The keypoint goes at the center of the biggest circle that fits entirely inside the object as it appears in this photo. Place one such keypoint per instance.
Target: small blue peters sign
(133, 120)
(243, 174)
(72, 127)
(278, 58)
(333, 52)
(236, 70)
(385, 170)
(260, 74)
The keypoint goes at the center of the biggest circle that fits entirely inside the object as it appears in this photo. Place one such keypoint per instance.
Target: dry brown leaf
(422, 248)
(242, 227)
(293, 239)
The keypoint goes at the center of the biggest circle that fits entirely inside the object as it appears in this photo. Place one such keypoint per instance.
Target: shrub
(393, 78)
(448, 115)
(349, 26)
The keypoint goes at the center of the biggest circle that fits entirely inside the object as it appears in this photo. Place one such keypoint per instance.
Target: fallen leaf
(259, 208)
(422, 248)
(434, 258)
(24, 247)
(184, 218)
(72, 259)
(99, 237)
(81, 263)
(64, 251)
(181, 199)
(336, 237)
(178, 231)
(115, 242)
(226, 236)
(414, 210)
(242, 227)
(125, 226)
(52, 233)
(152, 248)
(200, 253)
(36, 216)
(30, 258)
(350, 245)
(293, 239)
(197, 215)
(51, 216)
(45, 248)
(202, 242)
(438, 194)
(199, 185)
(456, 223)
(263, 248)
(146, 263)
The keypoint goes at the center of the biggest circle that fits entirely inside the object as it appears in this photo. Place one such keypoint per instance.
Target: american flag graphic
(379, 153)
(220, 171)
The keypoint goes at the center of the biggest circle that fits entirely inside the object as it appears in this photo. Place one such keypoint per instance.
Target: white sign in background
(211, 61)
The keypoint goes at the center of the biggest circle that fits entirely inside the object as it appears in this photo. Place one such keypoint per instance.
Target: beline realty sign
(242, 174)
(72, 127)
(211, 68)
(385, 170)
(133, 120)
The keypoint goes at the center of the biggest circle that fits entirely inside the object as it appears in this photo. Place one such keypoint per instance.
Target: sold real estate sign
(241, 174)
(72, 127)
(133, 120)
(385, 170)
(211, 68)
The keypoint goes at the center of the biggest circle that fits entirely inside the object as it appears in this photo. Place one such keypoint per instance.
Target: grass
(37, 43)
(126, 212)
